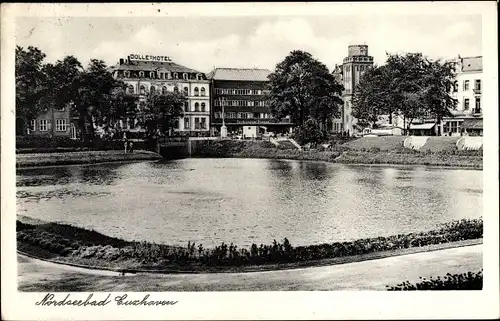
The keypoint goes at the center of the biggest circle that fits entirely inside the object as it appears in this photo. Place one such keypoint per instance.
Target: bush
(465, 281)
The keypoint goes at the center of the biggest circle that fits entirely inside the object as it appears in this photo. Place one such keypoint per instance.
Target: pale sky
(247, 42)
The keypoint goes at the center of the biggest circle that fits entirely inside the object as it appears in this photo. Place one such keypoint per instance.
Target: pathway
(36, 275)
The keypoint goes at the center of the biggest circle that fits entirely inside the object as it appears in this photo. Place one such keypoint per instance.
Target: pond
(209, 201)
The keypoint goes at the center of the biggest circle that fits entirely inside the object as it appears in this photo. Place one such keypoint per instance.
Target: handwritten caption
(50, 299)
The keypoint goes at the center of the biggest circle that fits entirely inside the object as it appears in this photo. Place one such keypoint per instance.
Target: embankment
(84, 157)
(71, 245)
(381, 150)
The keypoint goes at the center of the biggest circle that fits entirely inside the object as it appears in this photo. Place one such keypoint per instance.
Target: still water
(248, 200)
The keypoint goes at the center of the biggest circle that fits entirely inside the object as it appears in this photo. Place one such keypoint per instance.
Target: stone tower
(354, 65)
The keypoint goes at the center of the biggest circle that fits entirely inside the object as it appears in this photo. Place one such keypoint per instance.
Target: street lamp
(223, 129)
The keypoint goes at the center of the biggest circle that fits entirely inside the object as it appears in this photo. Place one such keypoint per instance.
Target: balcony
(477, 91)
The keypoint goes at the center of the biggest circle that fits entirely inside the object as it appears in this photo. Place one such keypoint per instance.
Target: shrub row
(464, 281)
(93, 244)
(51, 242)
(41, 144)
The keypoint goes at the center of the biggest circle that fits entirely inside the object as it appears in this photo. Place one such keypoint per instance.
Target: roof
(472, 123)
(153, 65)
(422, 126)
(239, 74)
(472, 63)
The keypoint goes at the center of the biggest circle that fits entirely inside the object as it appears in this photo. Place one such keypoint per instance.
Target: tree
(371, 99)
(310, 132)
(30, 90)
(302, 87)
(161, 112)
(409, 85)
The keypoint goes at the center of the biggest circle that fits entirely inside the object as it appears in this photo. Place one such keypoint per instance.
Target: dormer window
(176, 76)
(185, 76)
(141, 74)
(200, 77)
(127, 74)
(152, 75)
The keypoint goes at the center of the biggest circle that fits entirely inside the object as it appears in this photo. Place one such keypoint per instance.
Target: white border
(262, 305)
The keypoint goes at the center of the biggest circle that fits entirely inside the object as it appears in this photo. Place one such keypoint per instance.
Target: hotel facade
(468, 117)
(239, 101)
(144, 74)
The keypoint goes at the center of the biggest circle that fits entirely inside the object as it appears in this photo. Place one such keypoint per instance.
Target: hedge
(464, 281)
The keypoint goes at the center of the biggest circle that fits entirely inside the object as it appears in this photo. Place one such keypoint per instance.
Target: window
(131, 123)
(143, 90)
(72, 132)
(477, 84)
(152, 89)
(203, 91)
(141, 74)
(454, 127)
(176, 90)
(152, 75)
(256, 115)
(196, 107)
(478, 105)
(200, 77)
(130, 89)
(163, 90)
(186, 123)
(455, 86)
(203, 123)
(61, 125)
(466, 85)
(60, 108)
(33, 125)
(42, 124)
(203, 107)
(186, 91)
(466, 104)
(196, 91)
(196, 123)
(176, 76)
(184, 76)
(186, 106)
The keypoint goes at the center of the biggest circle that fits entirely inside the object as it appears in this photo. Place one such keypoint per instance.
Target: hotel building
(468, 117)
(145, 73)
(239, 97)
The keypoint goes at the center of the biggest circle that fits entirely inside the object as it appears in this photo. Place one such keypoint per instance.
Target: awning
(422, 126)
(472, 124)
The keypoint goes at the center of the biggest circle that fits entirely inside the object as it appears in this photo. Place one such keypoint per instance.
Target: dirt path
(36, 275)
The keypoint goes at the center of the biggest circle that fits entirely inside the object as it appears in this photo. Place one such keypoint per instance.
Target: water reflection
(248, 200)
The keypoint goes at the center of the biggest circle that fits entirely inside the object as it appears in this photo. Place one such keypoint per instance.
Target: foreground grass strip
(464, 281)
(79, 246)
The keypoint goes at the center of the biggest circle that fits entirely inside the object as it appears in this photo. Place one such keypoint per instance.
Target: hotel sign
(140, 57)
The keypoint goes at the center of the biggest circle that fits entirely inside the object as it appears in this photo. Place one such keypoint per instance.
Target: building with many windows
(53, 122)
(239, 101)
(349, 73)
(468, 117)
(145, 73)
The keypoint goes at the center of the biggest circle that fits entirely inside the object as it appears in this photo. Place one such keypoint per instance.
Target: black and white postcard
(249, 161)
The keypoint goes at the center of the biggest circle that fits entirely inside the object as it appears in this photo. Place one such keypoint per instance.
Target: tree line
(94, 96)
(410, 86)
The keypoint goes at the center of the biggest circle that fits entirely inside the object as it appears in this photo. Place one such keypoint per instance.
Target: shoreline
(79, 247)
(273, 267)
(38, 160)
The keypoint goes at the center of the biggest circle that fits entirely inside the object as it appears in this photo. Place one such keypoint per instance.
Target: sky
(203, 43)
